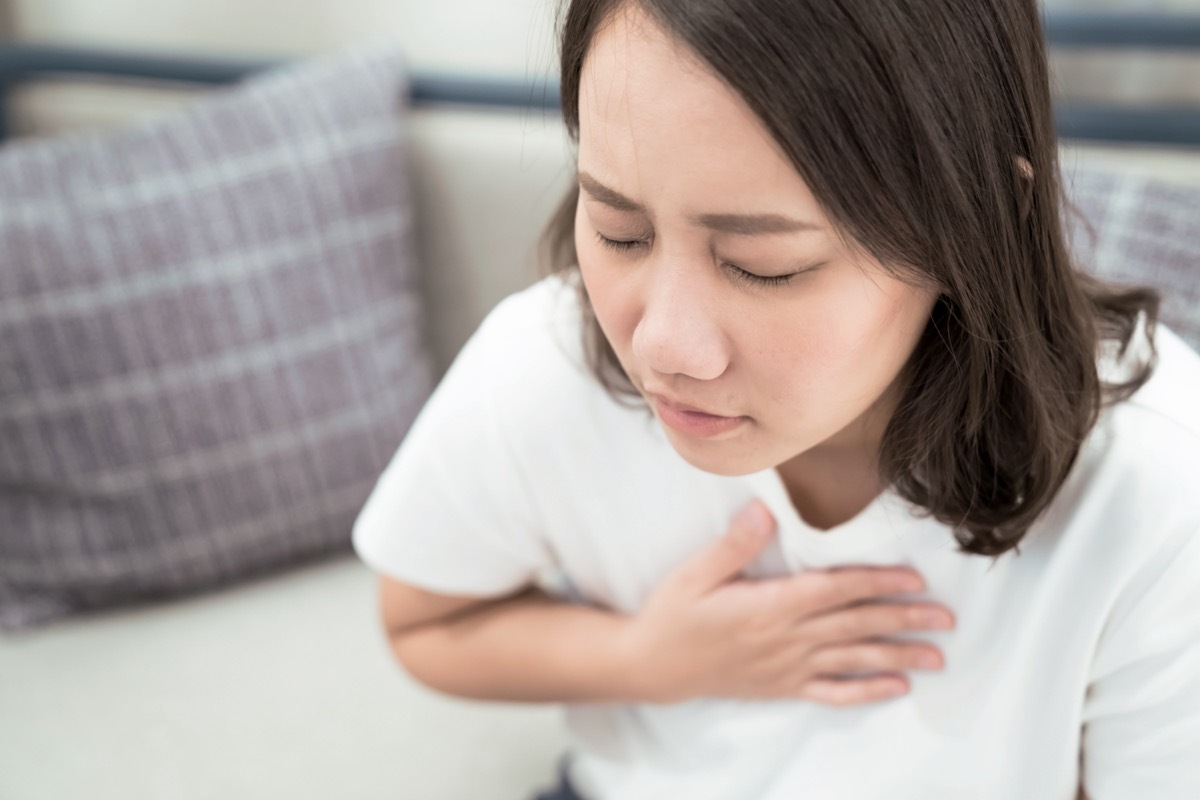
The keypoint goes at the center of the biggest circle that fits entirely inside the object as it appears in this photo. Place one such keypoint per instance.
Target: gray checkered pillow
(210, 338)
(1147, 231)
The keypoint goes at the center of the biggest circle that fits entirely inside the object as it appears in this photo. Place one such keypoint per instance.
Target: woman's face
(714, 273)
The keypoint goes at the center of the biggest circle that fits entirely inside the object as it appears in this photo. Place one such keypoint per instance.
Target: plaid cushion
(211, 338)
(1146, 231)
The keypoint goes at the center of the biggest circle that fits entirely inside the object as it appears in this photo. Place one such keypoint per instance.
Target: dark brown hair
(906, 119)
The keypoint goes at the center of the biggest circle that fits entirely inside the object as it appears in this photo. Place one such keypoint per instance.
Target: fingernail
(937, 619)
(754, 518)
(911, 583)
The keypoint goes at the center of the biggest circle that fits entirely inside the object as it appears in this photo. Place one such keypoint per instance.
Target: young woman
(855, 485)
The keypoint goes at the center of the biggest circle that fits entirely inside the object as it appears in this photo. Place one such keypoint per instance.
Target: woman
(856, 487)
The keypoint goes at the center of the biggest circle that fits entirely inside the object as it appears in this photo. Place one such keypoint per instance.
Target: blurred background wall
(513, 38)
(507, 36)
(1133, 78)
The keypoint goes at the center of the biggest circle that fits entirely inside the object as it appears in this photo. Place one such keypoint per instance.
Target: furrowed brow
(753, 224)
(737, 224)
(610, 197)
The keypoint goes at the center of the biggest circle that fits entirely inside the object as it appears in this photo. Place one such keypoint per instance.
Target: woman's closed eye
(620, 245)
(737, 273)
(754, 279)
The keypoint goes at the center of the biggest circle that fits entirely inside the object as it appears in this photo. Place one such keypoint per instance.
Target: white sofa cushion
(283, 687)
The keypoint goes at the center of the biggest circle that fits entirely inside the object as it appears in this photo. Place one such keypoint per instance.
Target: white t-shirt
(521, 468)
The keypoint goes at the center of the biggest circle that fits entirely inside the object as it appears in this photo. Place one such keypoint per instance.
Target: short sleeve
(1141, 735)
(451, 512)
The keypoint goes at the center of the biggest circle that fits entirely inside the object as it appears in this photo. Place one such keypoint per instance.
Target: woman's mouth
(686, 419)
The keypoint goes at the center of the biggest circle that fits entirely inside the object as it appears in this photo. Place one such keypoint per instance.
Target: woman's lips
(687, 420)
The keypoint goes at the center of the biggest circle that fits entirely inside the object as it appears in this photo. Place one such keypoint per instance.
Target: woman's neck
(833, 482)
(832, 493)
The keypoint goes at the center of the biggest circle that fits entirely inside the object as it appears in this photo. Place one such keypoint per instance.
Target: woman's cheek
(615, 311)
(602, 291)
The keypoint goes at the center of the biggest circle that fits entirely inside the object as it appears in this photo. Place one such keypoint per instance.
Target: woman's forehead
(654, 122)
(636, 70)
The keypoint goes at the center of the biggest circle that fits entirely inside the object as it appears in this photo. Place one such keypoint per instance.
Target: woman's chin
(721, 456)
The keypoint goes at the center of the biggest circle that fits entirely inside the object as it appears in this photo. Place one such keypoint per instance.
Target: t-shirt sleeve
(1141, 735)
(452, 511)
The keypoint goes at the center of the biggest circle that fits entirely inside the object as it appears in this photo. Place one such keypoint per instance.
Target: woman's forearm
(528, 648)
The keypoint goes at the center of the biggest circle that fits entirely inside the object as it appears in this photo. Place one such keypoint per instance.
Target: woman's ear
(1024, 180)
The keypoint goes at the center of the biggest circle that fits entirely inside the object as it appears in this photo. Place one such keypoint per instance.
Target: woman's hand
(707, 633)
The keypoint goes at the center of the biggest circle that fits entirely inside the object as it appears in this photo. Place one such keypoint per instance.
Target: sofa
(281, 683)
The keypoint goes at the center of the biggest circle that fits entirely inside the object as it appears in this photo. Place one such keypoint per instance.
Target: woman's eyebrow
(740, 224)
(610, 197)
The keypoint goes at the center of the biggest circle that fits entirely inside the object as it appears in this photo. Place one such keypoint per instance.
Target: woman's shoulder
(523, 317)
(1149, 443)
(524, 370)
(1132, 493)
(1167, 406)
(530, 343)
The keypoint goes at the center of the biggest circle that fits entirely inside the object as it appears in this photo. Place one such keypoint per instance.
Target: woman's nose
(678, 334)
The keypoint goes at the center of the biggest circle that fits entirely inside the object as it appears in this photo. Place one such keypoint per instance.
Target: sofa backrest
(485, 180)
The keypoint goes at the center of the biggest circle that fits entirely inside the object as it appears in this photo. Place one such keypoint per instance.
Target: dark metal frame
(21, 63)
(1126, 31)
(24, 63)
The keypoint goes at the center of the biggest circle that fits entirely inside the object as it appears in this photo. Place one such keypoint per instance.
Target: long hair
(925, 130)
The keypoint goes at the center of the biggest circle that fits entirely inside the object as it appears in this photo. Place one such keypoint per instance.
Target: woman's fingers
(874, 619)
(820, 591)
(721, 561)
(874, 656)
(853, 691)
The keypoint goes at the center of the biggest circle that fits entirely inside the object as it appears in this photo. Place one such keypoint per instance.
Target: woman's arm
(530, 647)
(701, 633)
